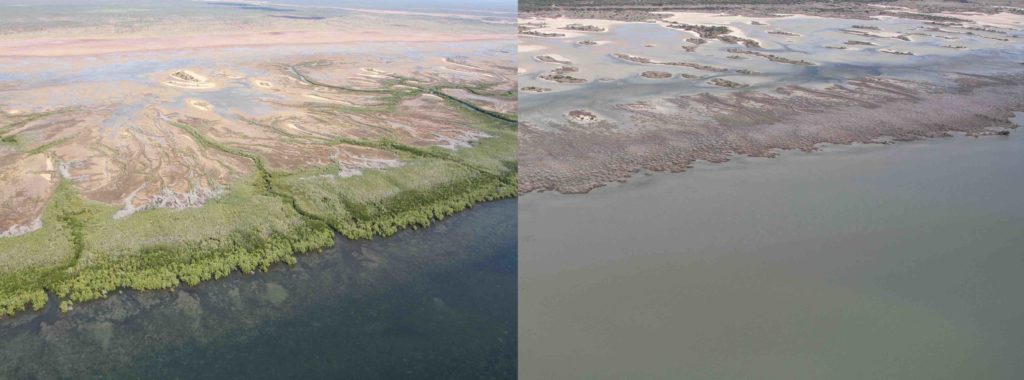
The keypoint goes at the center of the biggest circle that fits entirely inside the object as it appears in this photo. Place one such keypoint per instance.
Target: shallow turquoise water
(433, 303)
(885, 262)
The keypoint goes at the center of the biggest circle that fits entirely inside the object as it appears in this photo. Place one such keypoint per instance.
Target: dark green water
(428, 304)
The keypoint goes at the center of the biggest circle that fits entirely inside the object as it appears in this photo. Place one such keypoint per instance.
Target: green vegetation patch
(23, 120)
(83, 252)
(431, 183)
(159, 265)
(381, 202)
(50, 145)
(474, 107)
(10, 140)
(35, 261)
(496, 154)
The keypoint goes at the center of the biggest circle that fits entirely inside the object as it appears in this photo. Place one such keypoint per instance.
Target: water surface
(882, 262)
(433, 303)
(613, 81)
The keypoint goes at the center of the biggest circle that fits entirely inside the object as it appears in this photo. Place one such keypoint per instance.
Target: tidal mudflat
(663, 88)
(170, 143)
(894, 262)
(435, 303)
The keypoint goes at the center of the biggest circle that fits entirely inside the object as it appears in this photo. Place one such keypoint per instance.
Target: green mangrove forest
(83, 253)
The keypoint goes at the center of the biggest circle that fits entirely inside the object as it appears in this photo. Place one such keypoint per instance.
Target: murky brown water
(887, 262)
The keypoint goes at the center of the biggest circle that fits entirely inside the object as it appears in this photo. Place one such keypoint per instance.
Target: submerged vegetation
(82, 252)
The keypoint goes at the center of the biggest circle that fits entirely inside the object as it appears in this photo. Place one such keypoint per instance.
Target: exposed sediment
(713, 127)
(719, 32)
(648, 61)
(726, 83)
(895, 52)
(772, 57)
(169, 192)
(562, 78)
(534, 89)
(645, 11)
(189, 80)
(694, 44)
(541, 34)
(551, 59)
(704, 31)
(583, 28)
(739, 41)
(656, 74)
(582, 116)
(841, 84)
